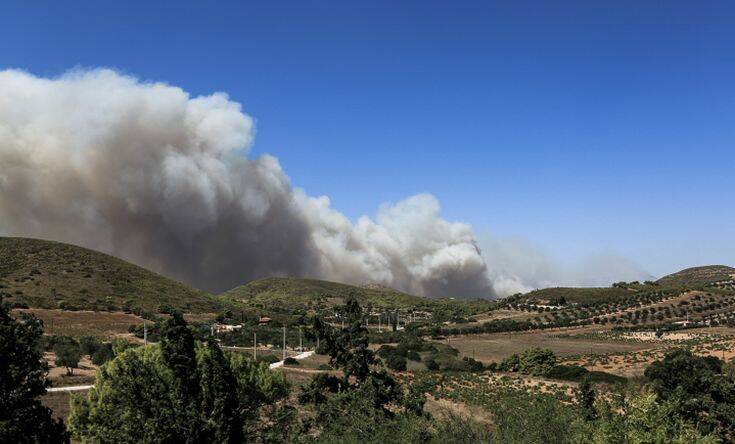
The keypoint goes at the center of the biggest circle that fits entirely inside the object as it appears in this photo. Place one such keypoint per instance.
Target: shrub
(534, 361)
(568, 372)
(396, 363)
(102, 354)
(268, 359)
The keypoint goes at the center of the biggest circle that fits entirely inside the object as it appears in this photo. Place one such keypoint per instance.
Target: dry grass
(83, 323)
(497, 346)
(45, 274)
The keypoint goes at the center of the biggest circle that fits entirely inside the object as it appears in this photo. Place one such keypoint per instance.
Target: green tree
(131, 401)
(697, 390)
(145, 394)
(179, 356)
(258, 388)
(219, 402)
(348, 348)
(67, 355)
(585, 397)
(102, 354)
(364, 392)
(641, 418)
(23, 419)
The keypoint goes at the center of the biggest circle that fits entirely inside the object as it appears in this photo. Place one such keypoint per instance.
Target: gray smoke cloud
(517, 266)
(145, 172)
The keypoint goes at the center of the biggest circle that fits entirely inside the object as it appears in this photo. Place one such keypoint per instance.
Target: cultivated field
(494, 347)
(84, 323)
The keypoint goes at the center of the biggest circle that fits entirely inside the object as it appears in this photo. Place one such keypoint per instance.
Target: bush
(534, 361)
(413, 356)
(290, 361)
(396, 363)
(568, 372)
(385, 351)
(102, 354)
(471, 365)
(268, 359)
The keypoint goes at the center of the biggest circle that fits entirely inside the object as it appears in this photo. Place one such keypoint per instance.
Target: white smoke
(517, 266)
(146, 172)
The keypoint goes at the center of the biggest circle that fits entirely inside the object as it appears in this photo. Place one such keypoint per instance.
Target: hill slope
(47, 274)
(290, 293)
(697, 276)
(578, 295)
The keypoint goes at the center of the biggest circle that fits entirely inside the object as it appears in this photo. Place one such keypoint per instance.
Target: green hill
(579, 295)
(45, 274)
(698, 276)
(295, 293)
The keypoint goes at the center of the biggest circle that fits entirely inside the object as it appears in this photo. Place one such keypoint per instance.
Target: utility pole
(255, 346)
(380, 324)
(284, 342)
(145, 333)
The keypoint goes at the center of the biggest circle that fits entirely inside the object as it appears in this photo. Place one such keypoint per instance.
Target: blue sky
(583, 127)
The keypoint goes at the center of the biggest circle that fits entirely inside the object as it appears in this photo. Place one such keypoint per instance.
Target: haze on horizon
(493, 148)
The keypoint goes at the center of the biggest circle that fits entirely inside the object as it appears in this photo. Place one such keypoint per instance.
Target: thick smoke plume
(146, 172)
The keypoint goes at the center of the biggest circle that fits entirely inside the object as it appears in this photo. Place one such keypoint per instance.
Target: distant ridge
(377, 287)
(46, 274)
(704, 275)
(289, 293)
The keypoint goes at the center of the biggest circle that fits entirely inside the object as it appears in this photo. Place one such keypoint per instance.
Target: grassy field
(44, 274)
(494, 347)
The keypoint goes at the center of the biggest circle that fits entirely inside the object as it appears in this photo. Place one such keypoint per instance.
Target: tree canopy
(23, 419)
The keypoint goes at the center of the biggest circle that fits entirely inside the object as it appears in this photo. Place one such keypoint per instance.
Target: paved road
(301, 356)
(71, 388)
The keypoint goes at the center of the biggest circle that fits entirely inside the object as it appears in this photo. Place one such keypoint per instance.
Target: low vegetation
(45, 274)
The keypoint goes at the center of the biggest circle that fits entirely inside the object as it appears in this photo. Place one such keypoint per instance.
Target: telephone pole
(255, 346)
(284, 343)
(145, 333)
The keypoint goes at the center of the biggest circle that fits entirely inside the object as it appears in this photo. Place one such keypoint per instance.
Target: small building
(264, 320)
(225, 328)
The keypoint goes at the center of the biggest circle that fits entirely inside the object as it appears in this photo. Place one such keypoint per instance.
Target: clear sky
(579, 126)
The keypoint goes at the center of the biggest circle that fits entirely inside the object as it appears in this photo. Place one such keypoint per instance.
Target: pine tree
(219, 403)
(179, 355)
(585, 396)
(22, 380)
